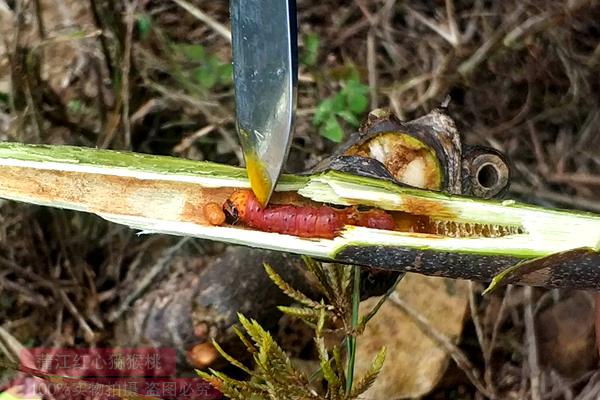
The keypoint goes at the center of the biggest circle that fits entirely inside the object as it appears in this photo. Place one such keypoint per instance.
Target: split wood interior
(184, 201)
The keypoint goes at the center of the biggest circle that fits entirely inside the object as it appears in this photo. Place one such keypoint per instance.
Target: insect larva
(305, 221)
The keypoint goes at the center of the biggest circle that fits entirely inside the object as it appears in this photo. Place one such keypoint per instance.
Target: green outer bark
(135, 165)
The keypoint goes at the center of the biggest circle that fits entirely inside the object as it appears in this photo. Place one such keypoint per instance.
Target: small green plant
(274, 376)
(206, 69)
(348, 104)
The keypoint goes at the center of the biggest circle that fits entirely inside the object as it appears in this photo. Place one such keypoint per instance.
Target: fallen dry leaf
(565, 333)
(414, 361)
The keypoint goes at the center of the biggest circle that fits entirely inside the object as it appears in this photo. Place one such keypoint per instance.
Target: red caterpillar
(314, 222)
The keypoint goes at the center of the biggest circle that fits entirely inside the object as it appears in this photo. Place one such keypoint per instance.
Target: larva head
(235, 205)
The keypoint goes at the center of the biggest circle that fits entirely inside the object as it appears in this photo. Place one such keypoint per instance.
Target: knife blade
(265, 70)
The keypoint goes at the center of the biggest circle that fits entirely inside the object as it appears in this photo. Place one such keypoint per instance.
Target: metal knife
(265, 71)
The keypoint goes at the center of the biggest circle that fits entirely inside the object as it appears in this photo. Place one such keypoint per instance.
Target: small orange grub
(203, 355)
(214, 214)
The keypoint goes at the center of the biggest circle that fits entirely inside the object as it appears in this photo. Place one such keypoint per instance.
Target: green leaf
(356, 96)
(332, 130)
(349, 117)
(339, 367)
(354, 86)
(193, 52)
(144, 25)
(226, 74)
(229, 358)
(323, 112)
(316, 269)
(353, 74)
(254, 330)
(310, 53)
(357, 103)
(288, 290)
(321, 321)
(339, 277)
(304, 313)
(249, 346)
(339, 102)
(351, 338)
(234, 388)
(328, 372)
(369, 377)
(206, 76)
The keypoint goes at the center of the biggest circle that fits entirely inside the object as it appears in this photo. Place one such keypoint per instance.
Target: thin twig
(483, 52)
(12, 347)
(543, 21)
(157, 269)
(489, 351)
(27, 294)
(207, 19)
(452, 25)
(457, 355)
(188, 141)
(96, 13)
(575, 179)
(26, 273)
(558, 198)
(486, 348)
(372, 68)
(381, 301)
(126, 71)
(434, 26)
(531, 343)
(40, 19)
(89, 334)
